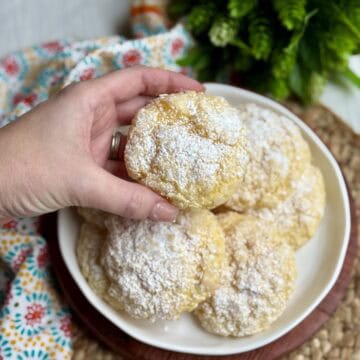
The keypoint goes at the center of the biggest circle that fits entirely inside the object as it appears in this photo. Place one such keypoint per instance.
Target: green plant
(278, 47)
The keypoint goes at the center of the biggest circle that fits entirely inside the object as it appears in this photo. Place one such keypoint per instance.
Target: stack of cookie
(249, 198)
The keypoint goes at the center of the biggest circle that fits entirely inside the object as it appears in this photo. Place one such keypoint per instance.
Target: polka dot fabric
(35, 323)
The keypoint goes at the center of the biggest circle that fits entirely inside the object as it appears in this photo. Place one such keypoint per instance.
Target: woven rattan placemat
(339, 338)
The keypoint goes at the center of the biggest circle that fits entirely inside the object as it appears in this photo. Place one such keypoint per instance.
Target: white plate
(319, 261)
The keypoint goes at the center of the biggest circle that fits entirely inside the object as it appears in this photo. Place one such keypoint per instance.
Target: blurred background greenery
(277, 47)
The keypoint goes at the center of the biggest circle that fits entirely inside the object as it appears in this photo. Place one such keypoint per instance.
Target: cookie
(256, 283)
(189, 147)
(93, 216)
(88, 249)
(298, 216)
(158, 270)
(277, 156)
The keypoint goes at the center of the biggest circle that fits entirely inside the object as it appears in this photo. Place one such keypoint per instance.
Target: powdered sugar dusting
(298, 216)
(88, 250)
(266, 131)
(189, 147)
(258, 281)
(156, 269)
(278, 154)
(93, 216)
(188, 150)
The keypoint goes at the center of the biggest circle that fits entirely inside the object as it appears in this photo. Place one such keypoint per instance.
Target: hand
(56, 154)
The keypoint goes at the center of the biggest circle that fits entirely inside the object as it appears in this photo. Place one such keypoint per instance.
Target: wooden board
(130, 348)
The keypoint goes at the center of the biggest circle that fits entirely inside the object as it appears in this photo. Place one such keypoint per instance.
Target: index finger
(124, 84)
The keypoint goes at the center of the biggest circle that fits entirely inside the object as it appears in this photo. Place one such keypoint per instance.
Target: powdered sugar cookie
(257, 282)
(298, 216)
(278, 155)
(159, 270)
(88, 248)
(189, 147)
(93, 216)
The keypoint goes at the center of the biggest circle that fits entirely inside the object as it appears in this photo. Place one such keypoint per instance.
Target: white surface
(344, 99)
(319, 261)
(24, 23)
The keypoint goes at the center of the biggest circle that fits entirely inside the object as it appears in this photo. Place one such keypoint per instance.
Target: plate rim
(335, 273)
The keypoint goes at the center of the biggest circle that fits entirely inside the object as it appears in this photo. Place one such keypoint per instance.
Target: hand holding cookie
(57, 154)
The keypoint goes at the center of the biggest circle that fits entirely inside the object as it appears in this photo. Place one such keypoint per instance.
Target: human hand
(56, 155)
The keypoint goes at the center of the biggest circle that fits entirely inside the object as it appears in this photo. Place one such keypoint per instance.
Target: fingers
(109, 193)
(127, 110)
(125, 84)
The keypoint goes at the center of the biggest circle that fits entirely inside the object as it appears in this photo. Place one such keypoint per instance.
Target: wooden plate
(130, 348)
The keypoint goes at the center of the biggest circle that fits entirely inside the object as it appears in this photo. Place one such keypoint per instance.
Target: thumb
(109, 193)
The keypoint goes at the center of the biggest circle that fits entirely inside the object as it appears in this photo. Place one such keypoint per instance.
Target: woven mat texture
(339, 338)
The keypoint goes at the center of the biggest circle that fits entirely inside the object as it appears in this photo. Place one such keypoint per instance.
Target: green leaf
(200, 18)
(283, 60)
(242, 61)
(190, 58)
(291, 12)
(314, 87)
(241, 45)
(345, 20)
(198, 57)
(296, 81)
(297, 35)
(223, 31)
(279, 88)
(260, 36)
(354, 78)
(309, 53)
(274, 44)
(240, 8)
(306, 84)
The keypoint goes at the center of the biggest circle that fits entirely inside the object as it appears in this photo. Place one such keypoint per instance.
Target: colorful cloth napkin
(35, 322)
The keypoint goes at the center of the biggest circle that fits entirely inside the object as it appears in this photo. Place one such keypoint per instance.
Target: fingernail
(163, 211)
